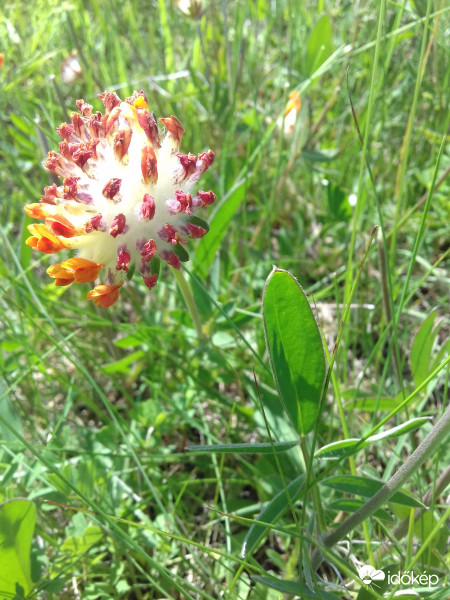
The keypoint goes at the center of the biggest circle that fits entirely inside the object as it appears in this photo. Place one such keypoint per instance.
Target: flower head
(126, 197)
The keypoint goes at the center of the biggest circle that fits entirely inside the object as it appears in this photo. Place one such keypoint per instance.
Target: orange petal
(294, 102)
(78, 270)
(42, 239)
(37, 210)
(32, 241)
(59, 225)
(84, 270)
(61, 275)
(104, 295)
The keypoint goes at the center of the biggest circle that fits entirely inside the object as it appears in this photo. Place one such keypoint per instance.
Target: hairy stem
(402, 529)
(425, 449)
(190, 302)
(314, 489)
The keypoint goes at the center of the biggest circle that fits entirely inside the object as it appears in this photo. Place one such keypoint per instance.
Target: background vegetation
(97, 406)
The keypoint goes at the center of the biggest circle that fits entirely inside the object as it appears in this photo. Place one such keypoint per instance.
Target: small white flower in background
(126, 199)
(352, 199)
(71, 68)
(191, 8)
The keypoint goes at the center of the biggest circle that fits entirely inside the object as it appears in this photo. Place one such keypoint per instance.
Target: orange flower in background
(294, 102)
(126, 197)
(291, 112)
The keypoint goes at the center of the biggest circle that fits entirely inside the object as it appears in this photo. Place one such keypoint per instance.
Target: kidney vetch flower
(291, 112)
(126, 199)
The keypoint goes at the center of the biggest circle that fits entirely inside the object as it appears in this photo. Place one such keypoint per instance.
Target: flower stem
(399, 532)
(426, 448)
(315, 489)
(190, 302)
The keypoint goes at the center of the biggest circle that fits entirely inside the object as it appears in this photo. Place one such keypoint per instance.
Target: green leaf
(271, 513)
(319, 45)
(295, 349)
(244, 448)
(155, 265)
(293, 587)
(320, 156)
(129, 341)
(351, 505)
(10, 414)
(441, 594)
(401, 429)
(337, 449)
(371, 404)
(421, 350)
(368, 487)
(20, 123)
(9, 345)
(122, 365)
(338, 203)
(76, 545)
(53, 586)
(181, 252)
(17, 520)
(219, 224)
(130, 272)
(198, 221)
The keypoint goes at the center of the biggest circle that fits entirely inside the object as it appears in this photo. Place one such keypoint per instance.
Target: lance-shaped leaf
(243, 448)
(350, 446)
(271, 513)
(17, 520)
(423, 359)
(300, 590)
(368, 487)
(295, 348)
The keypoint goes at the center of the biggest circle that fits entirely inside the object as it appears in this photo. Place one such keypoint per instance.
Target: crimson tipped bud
(149, 164)
(118, 225)
(148, 207)
(112, 188)
(174, 127)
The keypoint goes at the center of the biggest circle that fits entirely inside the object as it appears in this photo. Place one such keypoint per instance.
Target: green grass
(98, 406)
